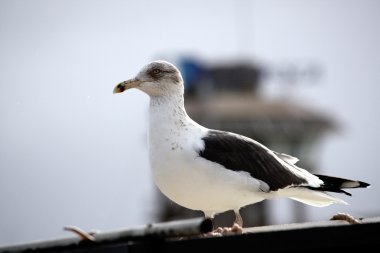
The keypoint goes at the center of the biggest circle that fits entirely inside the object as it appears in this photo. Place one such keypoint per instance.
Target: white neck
(167, 122)
(167, 108)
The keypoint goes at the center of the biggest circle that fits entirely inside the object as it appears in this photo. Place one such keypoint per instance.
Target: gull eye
(156, 71)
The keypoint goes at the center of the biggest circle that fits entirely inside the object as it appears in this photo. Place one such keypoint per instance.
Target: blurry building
(226, 96)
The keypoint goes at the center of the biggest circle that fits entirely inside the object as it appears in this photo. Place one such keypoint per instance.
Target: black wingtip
(337, 182)
(363, 184)
(355, 184)
(345, 192)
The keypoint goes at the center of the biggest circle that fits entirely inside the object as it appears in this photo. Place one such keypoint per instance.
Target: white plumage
(215, 171)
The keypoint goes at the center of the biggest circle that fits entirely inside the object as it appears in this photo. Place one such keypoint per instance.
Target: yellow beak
(129, 84)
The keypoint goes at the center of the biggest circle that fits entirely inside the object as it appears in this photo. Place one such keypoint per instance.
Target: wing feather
(239, 153)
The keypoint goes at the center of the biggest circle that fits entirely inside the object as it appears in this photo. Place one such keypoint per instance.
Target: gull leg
(238, 219)
(237, 227)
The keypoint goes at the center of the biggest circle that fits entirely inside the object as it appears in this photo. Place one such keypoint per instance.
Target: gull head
(157, 79)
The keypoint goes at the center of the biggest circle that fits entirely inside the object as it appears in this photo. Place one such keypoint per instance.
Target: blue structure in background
(193, 72)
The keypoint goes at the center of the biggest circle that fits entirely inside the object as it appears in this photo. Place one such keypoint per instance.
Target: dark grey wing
(239, 153)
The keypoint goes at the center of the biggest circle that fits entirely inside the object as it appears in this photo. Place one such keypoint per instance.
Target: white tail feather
(310, 197)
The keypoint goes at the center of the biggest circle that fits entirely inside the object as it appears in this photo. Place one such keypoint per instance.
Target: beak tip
(118, 89)
(123, 86)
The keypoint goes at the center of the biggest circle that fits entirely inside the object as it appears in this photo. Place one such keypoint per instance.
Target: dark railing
(186, 236)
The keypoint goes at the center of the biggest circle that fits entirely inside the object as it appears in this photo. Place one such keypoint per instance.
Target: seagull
(215, 171)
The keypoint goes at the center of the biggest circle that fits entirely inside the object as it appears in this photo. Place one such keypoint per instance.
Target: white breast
(185, 177)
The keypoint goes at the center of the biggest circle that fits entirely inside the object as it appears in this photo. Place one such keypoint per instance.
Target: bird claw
(236, 229)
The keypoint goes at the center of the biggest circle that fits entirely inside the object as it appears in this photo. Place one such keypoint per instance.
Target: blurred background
(303, 77)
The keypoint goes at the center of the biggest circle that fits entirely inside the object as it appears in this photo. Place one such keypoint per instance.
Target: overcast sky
(72, 153)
